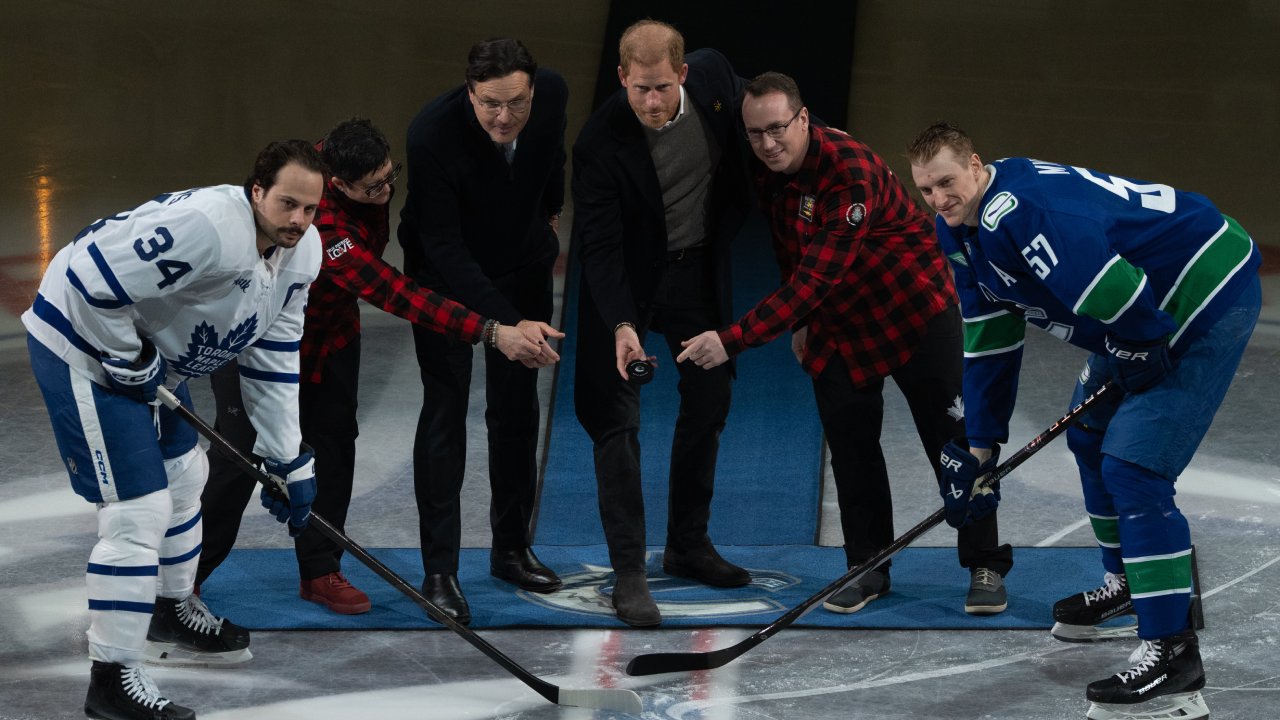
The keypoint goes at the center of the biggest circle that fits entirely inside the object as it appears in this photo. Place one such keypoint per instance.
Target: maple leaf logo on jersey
(206, 353)
(956, 410)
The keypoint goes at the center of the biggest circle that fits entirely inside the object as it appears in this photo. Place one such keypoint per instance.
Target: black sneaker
(987, 595)
(854, 597)
(184, 632)
(1077, 617)
(1166, 666)
(117, 692)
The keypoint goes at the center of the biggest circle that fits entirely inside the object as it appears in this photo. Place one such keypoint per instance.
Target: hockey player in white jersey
(169, 291)
(1163, 289)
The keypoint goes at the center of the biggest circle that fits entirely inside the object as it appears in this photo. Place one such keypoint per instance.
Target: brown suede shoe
(336, 593)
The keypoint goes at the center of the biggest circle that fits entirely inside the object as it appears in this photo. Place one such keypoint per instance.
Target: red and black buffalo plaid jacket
(354, 236)
(861, 267)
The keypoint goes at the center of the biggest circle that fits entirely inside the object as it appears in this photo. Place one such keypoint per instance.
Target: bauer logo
(590, 592)
(1002, 204)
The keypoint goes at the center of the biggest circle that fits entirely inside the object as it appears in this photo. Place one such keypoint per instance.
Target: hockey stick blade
(658, 663)
(601, 699)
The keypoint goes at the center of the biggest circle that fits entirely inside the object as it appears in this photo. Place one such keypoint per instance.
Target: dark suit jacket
(469, 218)
(619, 226)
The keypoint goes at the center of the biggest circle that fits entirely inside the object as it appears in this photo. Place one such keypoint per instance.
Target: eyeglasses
(774, 131)
(517, 106)
(376, 189)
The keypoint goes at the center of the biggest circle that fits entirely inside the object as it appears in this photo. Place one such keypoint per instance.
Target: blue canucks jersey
(1083, 254)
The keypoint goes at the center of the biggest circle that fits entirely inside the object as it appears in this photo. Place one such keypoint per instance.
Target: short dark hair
(496, 58)
(937, 136)
(276, 155)
(771, 82)
(354, 148)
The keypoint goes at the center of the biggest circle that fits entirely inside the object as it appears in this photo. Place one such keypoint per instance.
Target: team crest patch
(806, 207)
(1002, 204)
(855, 214)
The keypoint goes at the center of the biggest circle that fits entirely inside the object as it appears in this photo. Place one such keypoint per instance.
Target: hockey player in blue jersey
(168, 291)
(1163, 290)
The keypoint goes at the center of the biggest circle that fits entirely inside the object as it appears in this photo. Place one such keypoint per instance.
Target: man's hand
(139, 379)
(961, 470)
(299, 478)
(705, 350)
(797, 343)
(541, 335)
(1138, 366)
(627, 347)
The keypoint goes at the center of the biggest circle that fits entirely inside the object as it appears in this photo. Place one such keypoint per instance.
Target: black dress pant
(511, 418)
(852, 417)
(609, 409)
(328, 419)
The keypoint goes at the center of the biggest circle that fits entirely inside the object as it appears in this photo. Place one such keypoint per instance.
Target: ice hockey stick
(600, 698)
(657, 663)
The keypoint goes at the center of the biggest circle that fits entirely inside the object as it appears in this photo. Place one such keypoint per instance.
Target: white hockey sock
(121, 576)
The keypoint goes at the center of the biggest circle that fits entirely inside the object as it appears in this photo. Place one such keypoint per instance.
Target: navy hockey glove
(299, 478)
(960, 472)
(139, 379)
(1138, 366)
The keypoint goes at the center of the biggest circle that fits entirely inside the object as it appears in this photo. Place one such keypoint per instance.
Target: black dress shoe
(704, 565)
(632, 601)
(444, 593)
(523, 569)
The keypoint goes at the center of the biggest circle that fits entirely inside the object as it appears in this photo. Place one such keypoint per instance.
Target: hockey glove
(139, 379)
(960, 472)
(299, 478)
(1138, 366)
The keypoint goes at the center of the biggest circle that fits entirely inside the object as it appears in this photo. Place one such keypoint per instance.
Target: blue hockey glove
(299, 477)
(960, 472)
(1138, 366)
(139, 379)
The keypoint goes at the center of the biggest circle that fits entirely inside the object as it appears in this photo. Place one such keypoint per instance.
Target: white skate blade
(1095, 633)
(171, 655)
(1176, 706)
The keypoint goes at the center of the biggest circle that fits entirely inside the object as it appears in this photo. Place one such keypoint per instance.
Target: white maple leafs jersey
(183, 270)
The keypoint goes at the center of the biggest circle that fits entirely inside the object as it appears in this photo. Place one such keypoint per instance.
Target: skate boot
(1077, 617)
(184, 632)
(117, 692)
(1164, 682)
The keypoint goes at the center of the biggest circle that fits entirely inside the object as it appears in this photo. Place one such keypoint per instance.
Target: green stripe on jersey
(1217, 261)
(1112, 291)
(1159, 574)
(995, 333)
(1106, 530)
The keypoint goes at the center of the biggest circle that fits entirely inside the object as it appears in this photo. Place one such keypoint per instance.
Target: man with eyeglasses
(353, 221)
(867, 296)
(485, 189)
(659, 192)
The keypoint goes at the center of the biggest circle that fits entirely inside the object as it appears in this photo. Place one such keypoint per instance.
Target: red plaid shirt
(355, 235)
(860, 264)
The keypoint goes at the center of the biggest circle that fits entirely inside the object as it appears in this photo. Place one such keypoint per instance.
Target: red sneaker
(336, 593)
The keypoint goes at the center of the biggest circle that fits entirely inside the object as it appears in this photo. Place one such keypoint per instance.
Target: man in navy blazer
(659, 190)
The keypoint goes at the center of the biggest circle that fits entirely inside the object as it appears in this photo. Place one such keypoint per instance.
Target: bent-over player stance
(184, 282)
(1163, 290)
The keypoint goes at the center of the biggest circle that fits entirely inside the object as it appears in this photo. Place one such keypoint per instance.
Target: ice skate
(1163, 684)
(1089, 616)
(185, 632)
(117, 692)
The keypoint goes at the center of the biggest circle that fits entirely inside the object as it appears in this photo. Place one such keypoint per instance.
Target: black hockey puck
(639, 371)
